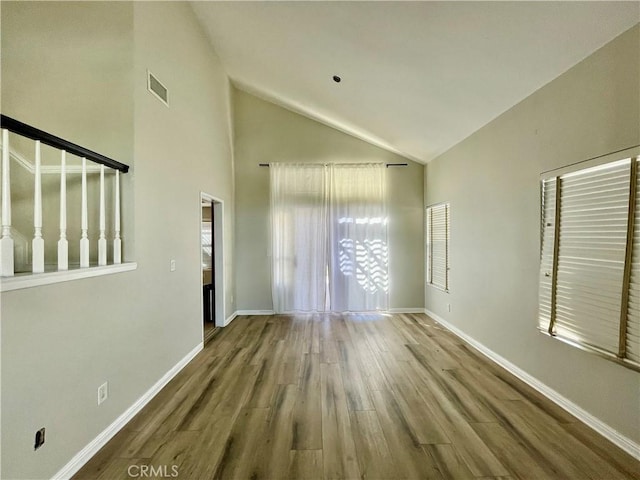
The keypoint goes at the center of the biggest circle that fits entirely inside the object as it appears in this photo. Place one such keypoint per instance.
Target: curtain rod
(386, 164)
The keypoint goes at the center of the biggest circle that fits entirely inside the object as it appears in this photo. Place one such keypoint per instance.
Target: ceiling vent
(157, 88)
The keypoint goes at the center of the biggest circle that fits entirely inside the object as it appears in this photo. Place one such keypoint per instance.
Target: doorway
(211, 252)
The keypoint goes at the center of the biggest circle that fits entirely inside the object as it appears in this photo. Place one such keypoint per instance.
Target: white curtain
(358, 247)
(298, 237)
(329, 237)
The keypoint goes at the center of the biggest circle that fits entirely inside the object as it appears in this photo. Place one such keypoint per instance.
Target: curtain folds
(329, 237)
(298, 237)
(358, 248)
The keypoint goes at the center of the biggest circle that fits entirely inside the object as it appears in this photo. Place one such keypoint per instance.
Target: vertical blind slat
(438, 230)
(633, 309)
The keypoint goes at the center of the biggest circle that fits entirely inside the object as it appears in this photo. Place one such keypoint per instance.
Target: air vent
(157, 88)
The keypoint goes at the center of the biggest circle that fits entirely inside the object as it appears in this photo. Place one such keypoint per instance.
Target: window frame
(428, 232)
(550, 253)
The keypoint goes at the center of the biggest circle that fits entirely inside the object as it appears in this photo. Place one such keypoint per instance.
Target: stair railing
(7, 269)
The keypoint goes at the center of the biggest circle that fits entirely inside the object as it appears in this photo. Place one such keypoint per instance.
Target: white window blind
(589, 284)
(547, 249)
(633, 312)
(437, 235)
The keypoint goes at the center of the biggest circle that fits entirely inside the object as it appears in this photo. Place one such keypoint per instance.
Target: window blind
(633, 311)
(589, 280)
(594, 206)
(438, 230)
(547, 249)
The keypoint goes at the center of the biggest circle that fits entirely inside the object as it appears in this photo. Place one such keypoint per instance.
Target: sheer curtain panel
(358, 248)
(298, 237)
(329, 237)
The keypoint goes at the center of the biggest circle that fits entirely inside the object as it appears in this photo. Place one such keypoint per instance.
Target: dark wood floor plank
(453, 418)
(411, 461)
(448, 461)
(366, 356)
(590, 462)
(352, 396)
(358, 397)
(271, 456)
(328, 351)
(170, 456)
(485, 382)
(224, 395)
(446, 389)
(215, 426)
(539, 446)
(374, 456)
(270, 373)
(517, 458)
(238, 460)
(305, 464)
(307, 420)
(419, 416)
(289, 373)
(116, 469)
(609, 453)
(338, 448)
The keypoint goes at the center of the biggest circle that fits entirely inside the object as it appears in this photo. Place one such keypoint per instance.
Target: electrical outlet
(103, 392)
(172, 265)
(39, 439)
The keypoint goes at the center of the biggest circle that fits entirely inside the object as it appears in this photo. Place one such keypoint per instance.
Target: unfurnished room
(320, 240)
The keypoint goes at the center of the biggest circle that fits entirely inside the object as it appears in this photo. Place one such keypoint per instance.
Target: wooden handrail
(28, 131)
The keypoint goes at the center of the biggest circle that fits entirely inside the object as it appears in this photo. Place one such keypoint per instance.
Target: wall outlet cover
(103, 392)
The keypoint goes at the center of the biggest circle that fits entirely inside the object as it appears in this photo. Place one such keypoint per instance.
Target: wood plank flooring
(352, 396)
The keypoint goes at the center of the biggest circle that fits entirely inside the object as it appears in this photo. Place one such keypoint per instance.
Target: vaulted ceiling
(417, 77)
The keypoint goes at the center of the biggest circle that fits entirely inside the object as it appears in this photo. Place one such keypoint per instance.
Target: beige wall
(492, 182)
(44, 73)
(60, 342)
(267, 133)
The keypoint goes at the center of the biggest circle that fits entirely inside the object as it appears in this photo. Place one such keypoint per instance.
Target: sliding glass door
(329, 237)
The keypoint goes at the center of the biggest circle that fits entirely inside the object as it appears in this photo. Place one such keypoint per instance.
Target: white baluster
(63, 244)
(102, 241)
(84, 241)
(37, 245)
(6, 243)
(117, 243)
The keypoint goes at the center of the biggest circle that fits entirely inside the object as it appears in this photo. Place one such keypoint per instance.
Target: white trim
(598, 161)
(230, 319)
(406, 310)
(271, 312)
(217, 230)
(84, 455)
(255, 312)
(625, 443)
(29, 280)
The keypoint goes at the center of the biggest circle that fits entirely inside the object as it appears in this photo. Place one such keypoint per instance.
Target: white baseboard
(406, 310)
(230, 318)
(271, 312)
(107, 434)
(255, 312)
(625, 443)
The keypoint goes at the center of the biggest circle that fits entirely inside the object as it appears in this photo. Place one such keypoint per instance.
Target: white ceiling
(417, 77)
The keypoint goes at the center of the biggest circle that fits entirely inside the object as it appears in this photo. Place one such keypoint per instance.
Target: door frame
(217, 227)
